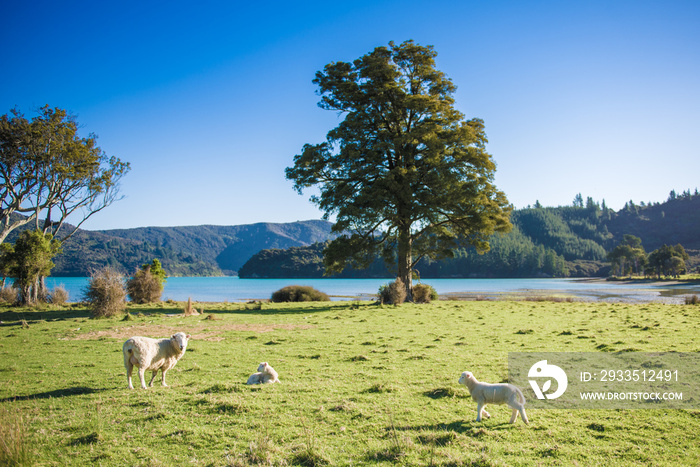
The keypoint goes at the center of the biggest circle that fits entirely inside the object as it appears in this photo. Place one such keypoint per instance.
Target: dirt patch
(196, 332)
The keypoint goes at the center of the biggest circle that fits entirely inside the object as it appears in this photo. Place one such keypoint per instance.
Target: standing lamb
(153, 354)
(485, 393)
(265, 374)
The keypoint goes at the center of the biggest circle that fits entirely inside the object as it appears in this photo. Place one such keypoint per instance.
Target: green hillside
(566, 241)
(545, 242)
(206, 250)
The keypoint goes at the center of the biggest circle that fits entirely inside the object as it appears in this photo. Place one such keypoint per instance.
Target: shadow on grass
(34, 315)
(466, 427)
(74, 391)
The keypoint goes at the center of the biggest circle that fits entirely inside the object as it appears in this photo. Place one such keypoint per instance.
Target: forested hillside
(184, 251)
(545, 242)
(567, 241)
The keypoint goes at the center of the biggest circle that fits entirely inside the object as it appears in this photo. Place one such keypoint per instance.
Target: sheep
(153, 354)
(265, 374)
(485, 393)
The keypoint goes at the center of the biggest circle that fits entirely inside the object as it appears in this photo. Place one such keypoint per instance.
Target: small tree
(105, 293)
(30, 260)
(146, 286)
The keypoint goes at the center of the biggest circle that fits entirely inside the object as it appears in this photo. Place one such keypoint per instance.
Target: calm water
(233, 289)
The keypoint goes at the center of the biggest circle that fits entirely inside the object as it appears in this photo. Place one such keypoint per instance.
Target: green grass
(361, 384)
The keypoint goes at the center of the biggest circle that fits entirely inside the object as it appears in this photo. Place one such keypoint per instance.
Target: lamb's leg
(513, 416)
(523, 415)
(142, 377)
(155, 373)
(163, 377)
(480, 409)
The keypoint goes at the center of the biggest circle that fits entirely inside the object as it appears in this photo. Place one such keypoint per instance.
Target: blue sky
(209, 102)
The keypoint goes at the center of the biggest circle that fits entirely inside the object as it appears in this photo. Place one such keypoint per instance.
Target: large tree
(49, 173)
(404, 173)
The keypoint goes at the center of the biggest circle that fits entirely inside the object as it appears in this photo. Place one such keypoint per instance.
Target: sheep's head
(262, 367)
(180, 339)
(466, 376)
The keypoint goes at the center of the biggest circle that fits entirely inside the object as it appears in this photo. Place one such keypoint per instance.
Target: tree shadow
(56, 393)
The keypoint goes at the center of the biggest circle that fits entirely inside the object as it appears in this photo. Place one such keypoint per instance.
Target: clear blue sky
(210, 101)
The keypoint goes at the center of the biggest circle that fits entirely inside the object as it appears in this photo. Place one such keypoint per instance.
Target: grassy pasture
(361, 384)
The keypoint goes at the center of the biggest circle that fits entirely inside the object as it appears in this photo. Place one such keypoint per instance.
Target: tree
(49, 173)
(629, 256)
(668, 260)
(30, 260)
(404, 173)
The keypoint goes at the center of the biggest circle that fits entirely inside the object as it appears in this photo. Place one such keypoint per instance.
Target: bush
(9, 295)
(424, 293)
(144, 286)
(58, 296)
(299, 293)
(692, 300)
(105, 293)
(393, 293)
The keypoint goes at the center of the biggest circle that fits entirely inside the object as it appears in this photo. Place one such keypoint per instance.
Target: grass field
(361, 384)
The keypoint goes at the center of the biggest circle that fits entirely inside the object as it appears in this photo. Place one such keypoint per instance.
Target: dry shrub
(59, 295)
(424, 293)
(692, 300)
(8, 295)
(393, 293)
(299, 293)
(105, 293)
(144, 287)
(189, 309)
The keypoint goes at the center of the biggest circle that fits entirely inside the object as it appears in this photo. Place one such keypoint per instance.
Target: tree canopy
(404, 173)
(49, 173)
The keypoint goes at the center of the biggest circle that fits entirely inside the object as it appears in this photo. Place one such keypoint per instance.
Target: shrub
(299, 293)
(692, 300)
(424, 293)
(8, 295)
(59, 295)
(393, 293)
(144, 286)
(105, 293)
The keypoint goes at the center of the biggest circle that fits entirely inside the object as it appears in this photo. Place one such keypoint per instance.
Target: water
(233, 289)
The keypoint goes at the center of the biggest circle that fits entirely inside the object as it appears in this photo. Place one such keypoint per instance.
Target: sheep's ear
(188, 336)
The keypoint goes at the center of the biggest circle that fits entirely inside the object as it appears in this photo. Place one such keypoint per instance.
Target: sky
(210, 102)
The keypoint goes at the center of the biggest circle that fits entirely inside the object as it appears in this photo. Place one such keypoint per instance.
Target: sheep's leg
(163, 377)
(513, 416)
(480, 409)
(523, 415)
(142, 377)
(155, 373)
(129, 370)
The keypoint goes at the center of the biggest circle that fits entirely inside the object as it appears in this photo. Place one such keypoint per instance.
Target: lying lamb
(485, 393)
(265, 374)
(153, 354)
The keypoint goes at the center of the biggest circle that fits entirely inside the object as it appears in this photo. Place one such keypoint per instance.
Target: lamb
(265, 374)
(153, 354)
(485, 393)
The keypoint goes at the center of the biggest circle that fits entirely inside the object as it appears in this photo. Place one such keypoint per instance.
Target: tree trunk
(405, 260)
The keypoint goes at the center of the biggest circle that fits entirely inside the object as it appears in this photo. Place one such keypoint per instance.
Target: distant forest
(565, 241)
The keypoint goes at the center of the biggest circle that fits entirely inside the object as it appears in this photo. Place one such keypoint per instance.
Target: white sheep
(485, 393)
(153, 354)
(265, 374)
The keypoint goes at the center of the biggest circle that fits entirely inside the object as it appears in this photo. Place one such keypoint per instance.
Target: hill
(565, 241)
(205, 250)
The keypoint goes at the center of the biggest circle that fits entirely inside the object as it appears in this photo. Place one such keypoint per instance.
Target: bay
(233, 289)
